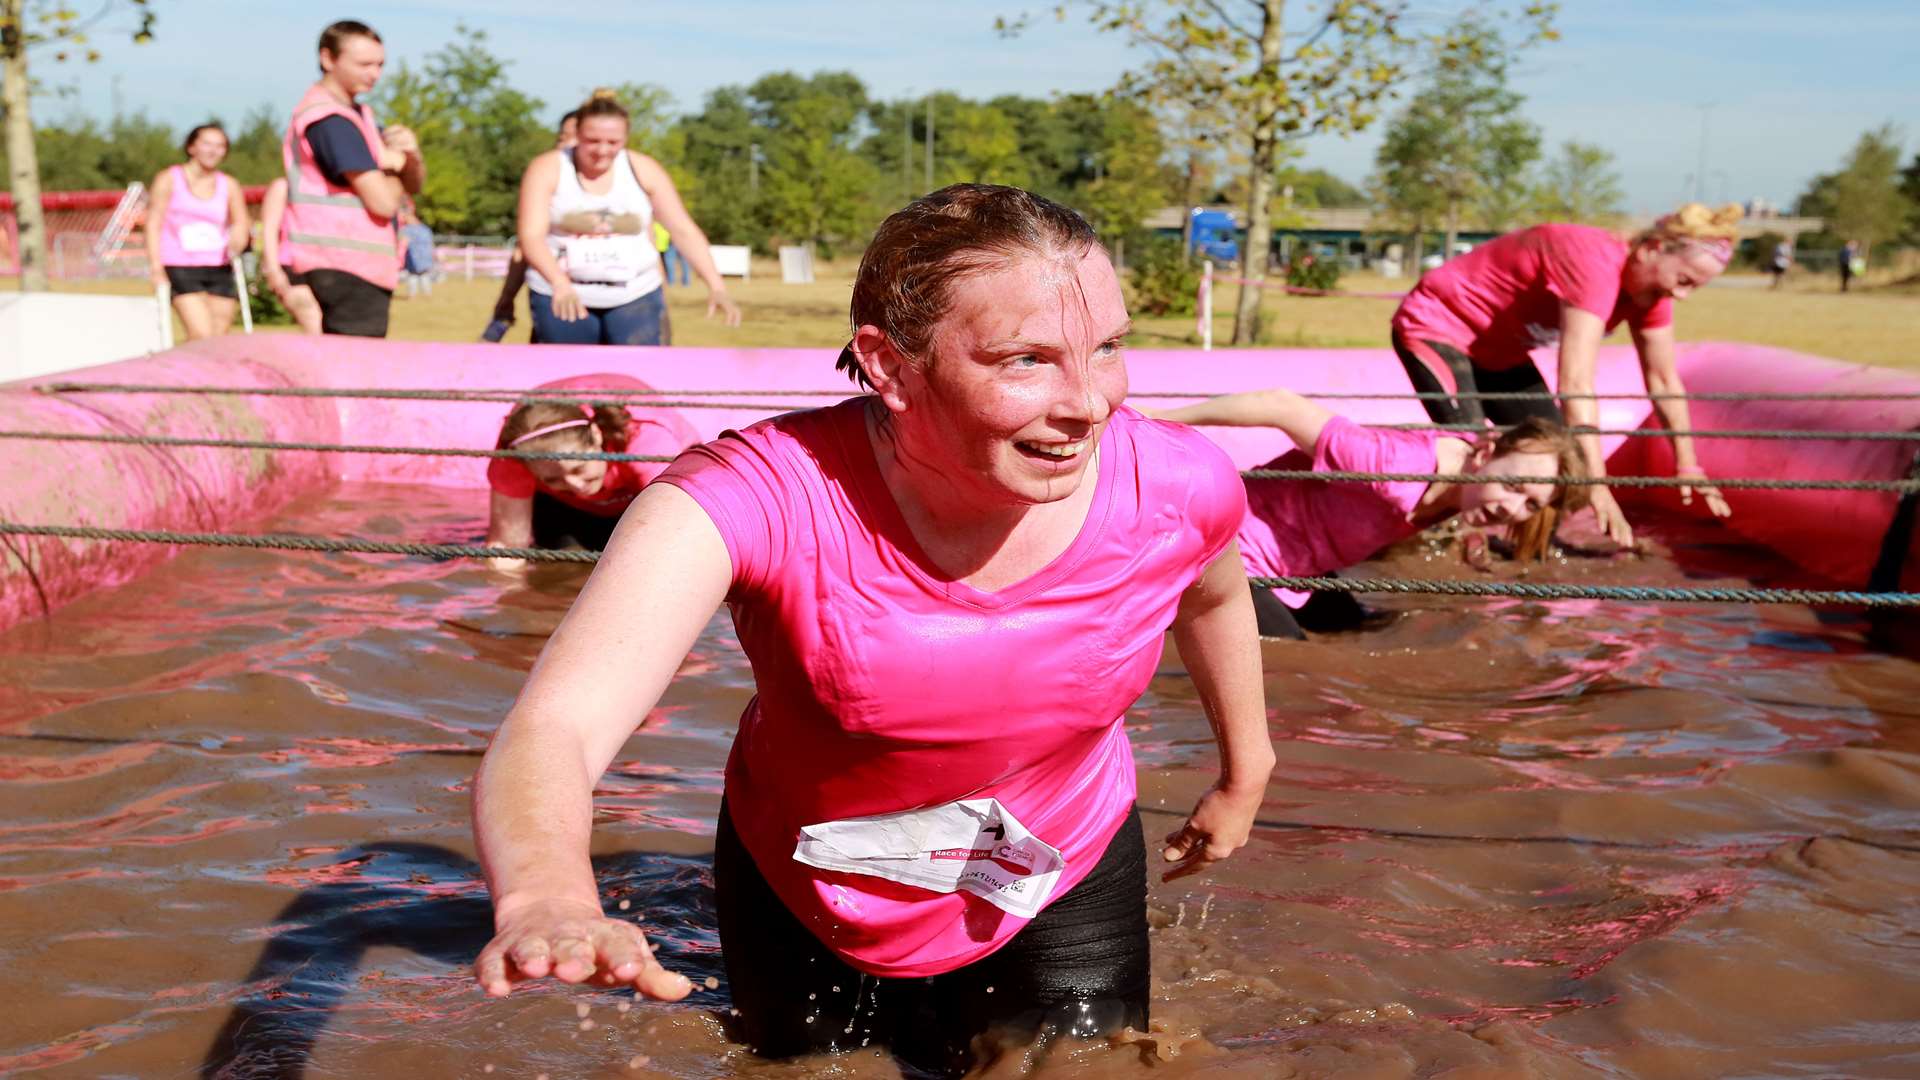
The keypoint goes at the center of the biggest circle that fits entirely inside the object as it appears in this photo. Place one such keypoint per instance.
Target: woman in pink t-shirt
(1472, 325)
(575, 502)
(951, 589)
(1305, 528)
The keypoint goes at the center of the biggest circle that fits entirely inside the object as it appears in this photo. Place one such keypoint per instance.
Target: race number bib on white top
(202, 236)
(615, 257)
(974, 845)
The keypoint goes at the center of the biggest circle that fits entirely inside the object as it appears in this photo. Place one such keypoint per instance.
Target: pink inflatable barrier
(216, 489)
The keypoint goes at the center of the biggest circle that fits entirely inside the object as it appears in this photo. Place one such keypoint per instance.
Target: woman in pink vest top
(952, 588)
(196, 226)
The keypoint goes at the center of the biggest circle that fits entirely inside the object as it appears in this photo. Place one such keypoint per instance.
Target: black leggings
(1324, 612)
(558, 525)
(1079, 968)
(1470, 377)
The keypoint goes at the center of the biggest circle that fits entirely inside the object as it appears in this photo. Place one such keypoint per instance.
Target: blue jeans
(637, 322)
(670, 260)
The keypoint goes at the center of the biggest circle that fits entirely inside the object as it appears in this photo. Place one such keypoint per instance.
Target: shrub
(1163, 282)
(1313, 272)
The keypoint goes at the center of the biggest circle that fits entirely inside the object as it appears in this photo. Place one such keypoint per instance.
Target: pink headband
(1721, 249)
(548, 430)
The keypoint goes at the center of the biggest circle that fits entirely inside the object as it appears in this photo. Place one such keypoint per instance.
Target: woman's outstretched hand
(1217, 828)
(1716, 502)
(573, 942)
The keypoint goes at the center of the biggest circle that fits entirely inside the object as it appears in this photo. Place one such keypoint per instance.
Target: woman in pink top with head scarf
(951, 588)
(1472, 325)
(196, 226)
(1306, 528)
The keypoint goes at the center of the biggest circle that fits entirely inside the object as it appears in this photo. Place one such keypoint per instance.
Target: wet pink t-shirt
(1502, 300)
(885, 687)
(1301, 528)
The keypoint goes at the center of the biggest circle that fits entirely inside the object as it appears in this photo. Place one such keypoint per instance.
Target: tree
(814, 187)
(1275, 86)
(1460, 142)
(1126, 185)
(720, 147)
(1579, 185)
(476, 133)
(25, 24)
(1317, 188)
(1868, 205)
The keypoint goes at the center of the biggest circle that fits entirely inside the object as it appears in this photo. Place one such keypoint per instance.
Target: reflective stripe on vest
(328, 226)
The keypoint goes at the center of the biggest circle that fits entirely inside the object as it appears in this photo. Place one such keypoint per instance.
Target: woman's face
(602, 139)
(208, 149)
(579, 478)
(356, 67)
(1654, 275)
(1497, 500)
(1026, 367)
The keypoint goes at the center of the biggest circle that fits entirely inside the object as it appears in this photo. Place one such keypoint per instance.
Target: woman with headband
(559, 503)
(1471, 325)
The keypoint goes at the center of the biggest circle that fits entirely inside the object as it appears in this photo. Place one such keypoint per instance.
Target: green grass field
(1869, 326)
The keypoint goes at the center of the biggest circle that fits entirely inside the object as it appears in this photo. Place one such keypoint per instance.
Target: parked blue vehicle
(1215, 236)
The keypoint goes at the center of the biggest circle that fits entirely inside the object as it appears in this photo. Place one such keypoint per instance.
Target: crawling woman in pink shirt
(1305, 528)
(951, 589)
(1472, 324)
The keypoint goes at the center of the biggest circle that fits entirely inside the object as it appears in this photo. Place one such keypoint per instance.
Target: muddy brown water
(1504, 838)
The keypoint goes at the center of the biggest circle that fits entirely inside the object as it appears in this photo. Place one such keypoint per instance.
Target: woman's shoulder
(1164, 450)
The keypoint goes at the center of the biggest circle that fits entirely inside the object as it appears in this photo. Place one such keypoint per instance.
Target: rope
(1630, 593)
(338, 448)
(1666, 433)
(1329, 475)
(615, 396)
(297, 542)
(1444, 587)
(1729, 483)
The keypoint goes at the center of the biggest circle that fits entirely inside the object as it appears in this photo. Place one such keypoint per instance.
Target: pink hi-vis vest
(327, 226)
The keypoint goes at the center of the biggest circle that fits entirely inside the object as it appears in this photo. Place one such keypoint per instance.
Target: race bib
(202, 236)
(612, 257)
(974, 845)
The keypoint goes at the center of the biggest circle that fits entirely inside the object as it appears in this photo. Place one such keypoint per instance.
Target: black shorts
(212, 280)
(1471, 377)
(558, 525)
(349, 303)
(1323, 613)
(1080, 968)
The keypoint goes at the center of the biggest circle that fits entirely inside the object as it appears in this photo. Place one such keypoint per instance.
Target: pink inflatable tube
(214, 489)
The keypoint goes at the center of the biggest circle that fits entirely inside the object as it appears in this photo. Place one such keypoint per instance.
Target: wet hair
(186, 144)
(614, 422)
(906, 278)
(336, 34)
(602, 102)
(1538, 435)
(1695, 223)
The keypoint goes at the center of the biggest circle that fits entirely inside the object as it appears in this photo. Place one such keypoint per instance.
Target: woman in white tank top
(586, 228)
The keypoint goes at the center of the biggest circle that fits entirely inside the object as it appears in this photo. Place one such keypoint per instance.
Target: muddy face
(1514, 839)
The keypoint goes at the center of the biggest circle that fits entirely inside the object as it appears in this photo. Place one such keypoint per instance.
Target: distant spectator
(1850, 263)
(670, 256)
(347, 180)
(297, 299)
(564, 137)
(1781, 262)
(196, 226)
(417, 263)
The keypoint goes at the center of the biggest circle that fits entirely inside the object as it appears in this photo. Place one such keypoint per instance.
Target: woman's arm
(1217, 638)
(663, 574)
(1301, 419)
(157, 198)
(239, 223)
(1580, 334)
(671, 212)
(1656, 349)
(509, 524)
(534, 221)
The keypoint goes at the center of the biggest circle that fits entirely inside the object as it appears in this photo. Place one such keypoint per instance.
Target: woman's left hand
(1715, 501)
(1217, 828)
(718, 302)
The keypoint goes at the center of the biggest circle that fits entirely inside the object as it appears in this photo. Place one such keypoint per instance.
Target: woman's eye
(1024, 360)
(1108, 348)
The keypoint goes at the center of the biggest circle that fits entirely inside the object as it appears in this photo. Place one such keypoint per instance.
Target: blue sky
(1791, 85)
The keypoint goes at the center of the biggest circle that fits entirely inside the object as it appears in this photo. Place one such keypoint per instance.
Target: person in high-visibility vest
(346, 181)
